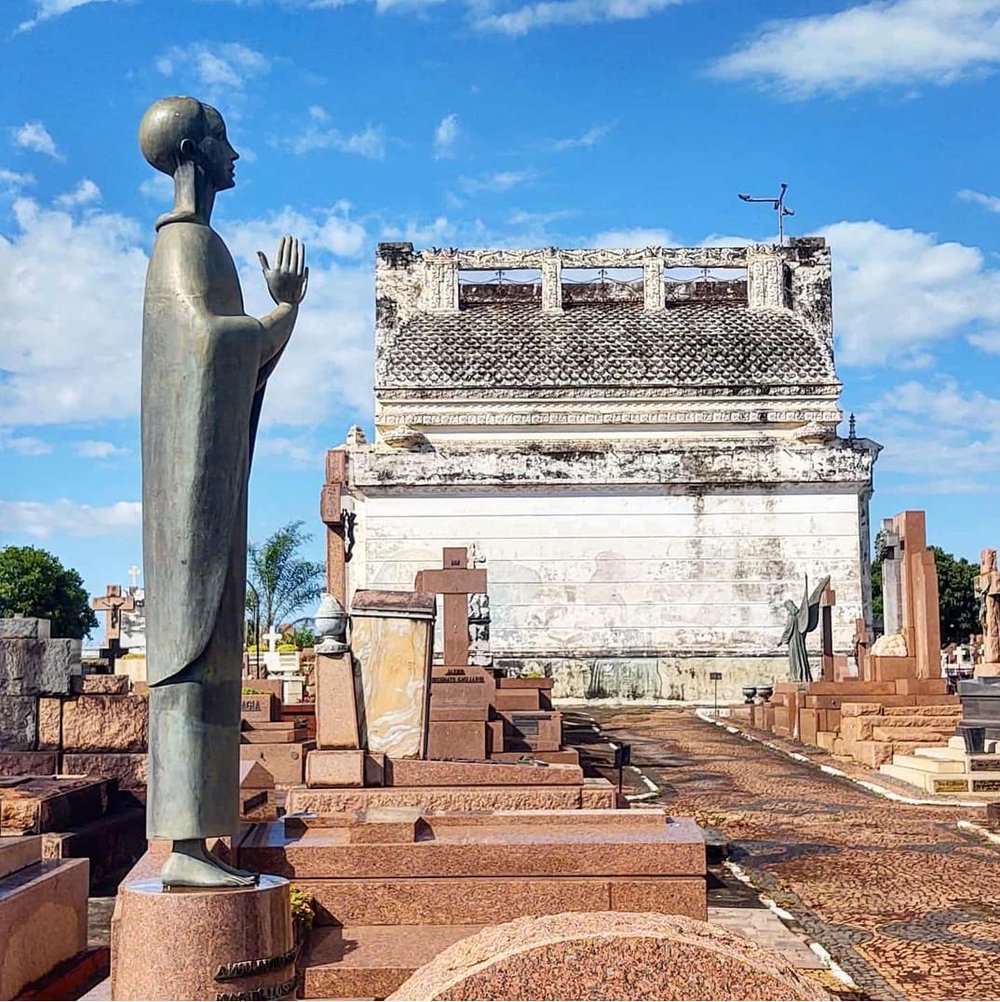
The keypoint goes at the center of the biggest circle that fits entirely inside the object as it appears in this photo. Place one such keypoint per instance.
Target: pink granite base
(607, 955)
(209, 944)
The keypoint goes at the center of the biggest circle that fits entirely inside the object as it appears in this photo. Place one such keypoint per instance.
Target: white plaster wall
(577, 575)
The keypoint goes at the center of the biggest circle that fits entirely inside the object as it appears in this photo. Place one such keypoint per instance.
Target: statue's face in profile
(217, 154)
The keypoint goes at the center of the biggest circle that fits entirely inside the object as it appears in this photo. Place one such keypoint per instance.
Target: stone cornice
(696, 465)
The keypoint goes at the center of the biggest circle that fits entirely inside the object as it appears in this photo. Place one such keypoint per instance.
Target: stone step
(591, 794)
(19, 851)
(43, 921)
(643, 844)
(915, 777)
(371, 962)
(897, 732)
(928, 710)
(927, 764)
(423, 772)
(946, 754)
(470, 900)
(53, 804)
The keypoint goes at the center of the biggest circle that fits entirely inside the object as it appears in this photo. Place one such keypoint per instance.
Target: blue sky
(492, 122)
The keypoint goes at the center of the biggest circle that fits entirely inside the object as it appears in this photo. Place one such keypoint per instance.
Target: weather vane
(778, 204)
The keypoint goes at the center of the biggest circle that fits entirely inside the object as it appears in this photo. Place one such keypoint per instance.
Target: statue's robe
(203, 381)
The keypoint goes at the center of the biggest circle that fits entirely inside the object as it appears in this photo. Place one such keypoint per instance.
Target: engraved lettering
(246, 968)
(282, 990)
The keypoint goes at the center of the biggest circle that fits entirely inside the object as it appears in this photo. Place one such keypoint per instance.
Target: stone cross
(892, 580)
(273, 638)
(133, 575)
(456, 582)
(113, 604)
(988, 592)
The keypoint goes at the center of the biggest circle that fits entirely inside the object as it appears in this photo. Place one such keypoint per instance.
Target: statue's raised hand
(288, 280)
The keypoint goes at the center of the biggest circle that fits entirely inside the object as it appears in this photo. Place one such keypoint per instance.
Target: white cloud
(35, 137)
(445, 137)
(83, 194)
(72, 290)
(12, 181)
(637, 237)
(302, 452)
(989, 202)
(54, 8)
(898, 292)
(72, 294)
(944, 427)
(320, 135)
(219, 68)
(24, 445)
(422, 234)
(883, 42)
(498, 181)
(528, 17)
(64, 517)
(96, 449)
(157, 187)
(589, 139)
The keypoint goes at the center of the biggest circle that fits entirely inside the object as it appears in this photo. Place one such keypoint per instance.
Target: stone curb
(830, 770)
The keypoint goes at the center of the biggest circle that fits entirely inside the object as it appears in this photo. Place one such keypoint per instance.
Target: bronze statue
(802, 619)
(205, 364)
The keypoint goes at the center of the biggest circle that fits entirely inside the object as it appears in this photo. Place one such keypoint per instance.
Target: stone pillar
(892, 581)
(206, 944)
(765, 278)
(552, 283)
(652, 280)
(440, 291)
(332, 515)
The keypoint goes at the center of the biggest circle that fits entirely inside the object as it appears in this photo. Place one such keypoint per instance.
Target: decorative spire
(852, 428)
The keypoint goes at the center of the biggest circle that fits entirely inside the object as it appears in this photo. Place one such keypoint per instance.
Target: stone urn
(749, 691)
(765, 692)
(331, 625)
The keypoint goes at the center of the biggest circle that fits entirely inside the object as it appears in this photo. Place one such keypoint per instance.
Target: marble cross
(273, 638)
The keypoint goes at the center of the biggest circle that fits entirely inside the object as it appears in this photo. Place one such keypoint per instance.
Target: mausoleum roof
(612, 344)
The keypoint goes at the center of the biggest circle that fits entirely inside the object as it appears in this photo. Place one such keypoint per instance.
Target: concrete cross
(113, 604)
(133, 575)
(456, 582)
(273, 638)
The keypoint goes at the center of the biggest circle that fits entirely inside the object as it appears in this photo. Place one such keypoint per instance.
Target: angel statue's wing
(802, 622)
(817, 594)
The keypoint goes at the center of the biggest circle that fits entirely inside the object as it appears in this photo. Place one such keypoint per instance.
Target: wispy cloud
(47, 9)
(498, 181)
(989, 202)
(223, 67)
(24, 445)
(589, 139)
(445, 137)
(84, 193)
(549, 13)
(320, 134)
(43, 519)
(12, 181)
(883, 42)
(35, 137)
(91, 448)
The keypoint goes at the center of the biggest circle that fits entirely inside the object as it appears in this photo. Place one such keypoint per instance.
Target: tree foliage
(957, 602)
(285, 581)
(34, 583)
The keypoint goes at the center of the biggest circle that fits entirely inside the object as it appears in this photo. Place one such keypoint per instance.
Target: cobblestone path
(905, 901)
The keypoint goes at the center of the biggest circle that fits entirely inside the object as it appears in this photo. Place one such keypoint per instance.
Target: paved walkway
(905, 901)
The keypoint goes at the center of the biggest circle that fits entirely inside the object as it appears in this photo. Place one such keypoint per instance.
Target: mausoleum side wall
(649, 580)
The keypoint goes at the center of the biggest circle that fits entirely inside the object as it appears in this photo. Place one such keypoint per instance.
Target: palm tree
(283, 581)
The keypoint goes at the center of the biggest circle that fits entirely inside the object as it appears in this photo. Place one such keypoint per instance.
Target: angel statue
(802, 619)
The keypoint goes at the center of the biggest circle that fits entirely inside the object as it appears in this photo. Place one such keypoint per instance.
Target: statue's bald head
(178, 129)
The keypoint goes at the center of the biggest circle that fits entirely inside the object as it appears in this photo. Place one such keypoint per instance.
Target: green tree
(957, 604)
(284, 581)
(956, 597)
(33, 582)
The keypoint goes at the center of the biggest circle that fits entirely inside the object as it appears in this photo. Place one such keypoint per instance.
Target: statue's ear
(189, 150)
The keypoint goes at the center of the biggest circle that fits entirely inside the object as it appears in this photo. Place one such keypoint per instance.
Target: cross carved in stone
(456, 581)
(273, 638)
(113, 604)
(988, 592)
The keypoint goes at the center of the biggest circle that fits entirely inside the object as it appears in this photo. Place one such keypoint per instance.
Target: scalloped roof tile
(606, 344)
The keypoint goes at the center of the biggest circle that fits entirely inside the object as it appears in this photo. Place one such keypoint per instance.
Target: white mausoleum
(640, 447)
